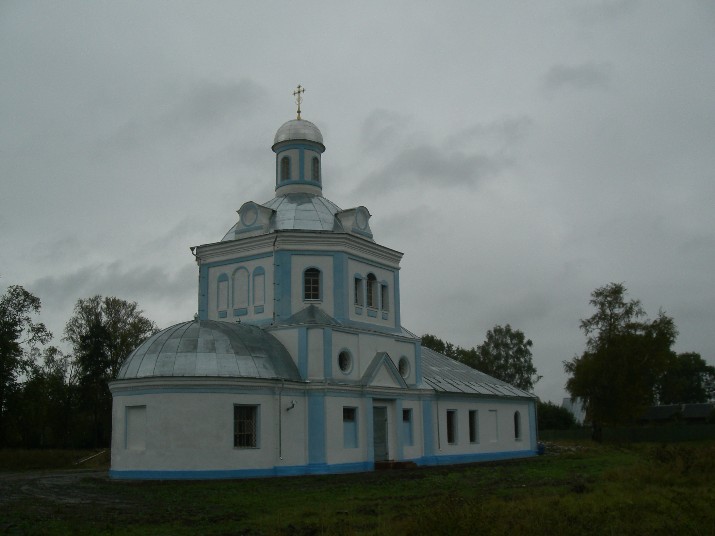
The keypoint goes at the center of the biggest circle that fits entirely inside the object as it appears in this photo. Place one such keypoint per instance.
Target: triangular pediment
(383, 373)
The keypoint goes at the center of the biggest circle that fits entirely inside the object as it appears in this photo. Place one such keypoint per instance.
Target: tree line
(49, 399)
(55, 400)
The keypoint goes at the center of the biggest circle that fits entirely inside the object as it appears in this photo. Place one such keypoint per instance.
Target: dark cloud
(584, 76)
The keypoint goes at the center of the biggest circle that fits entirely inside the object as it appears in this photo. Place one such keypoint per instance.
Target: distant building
(297, 362)
(576, 408)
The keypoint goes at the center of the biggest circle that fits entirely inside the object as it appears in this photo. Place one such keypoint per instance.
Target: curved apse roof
(208, 348)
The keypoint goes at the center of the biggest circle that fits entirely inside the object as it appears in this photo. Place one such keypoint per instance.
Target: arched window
(311, 284)
(517, 425)
(222, 293)
(285, 168)
(315, 169)
(259, 286)
(359, 291)
(371, 290)
(240, 288)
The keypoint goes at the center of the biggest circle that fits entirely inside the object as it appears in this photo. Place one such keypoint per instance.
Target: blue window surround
(259, 270)
(235, 276)
(221, 279)
(281, 178)
(302, 149)
(351, 436)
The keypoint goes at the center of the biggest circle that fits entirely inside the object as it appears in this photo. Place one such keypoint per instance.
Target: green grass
(638, 489)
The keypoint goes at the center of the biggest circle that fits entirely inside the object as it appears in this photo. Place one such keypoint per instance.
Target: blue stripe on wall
(303, 352)
(427, 429)
(328, 353)
(532, 425)
(399, 454)
(340, 268)
(316, 428)
(203, 292)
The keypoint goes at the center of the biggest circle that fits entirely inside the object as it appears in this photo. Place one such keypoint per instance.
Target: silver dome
(209, 348)
(298, 129)
(303, 212)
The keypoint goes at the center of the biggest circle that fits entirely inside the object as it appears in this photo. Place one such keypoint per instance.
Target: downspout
(280, 421)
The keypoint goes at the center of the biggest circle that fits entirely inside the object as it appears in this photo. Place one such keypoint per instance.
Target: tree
(617, 374)
(103, 332)
(687, 379)
(505, 354)
(553, 417)
(19, 337)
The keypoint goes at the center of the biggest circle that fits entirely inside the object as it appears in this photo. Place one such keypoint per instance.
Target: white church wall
(380, 313)
(495, 429)
(412, 447)
(324, 263)
(225, 295)
(195, 432)
(350, 342)
(316, 368)
(340, 449)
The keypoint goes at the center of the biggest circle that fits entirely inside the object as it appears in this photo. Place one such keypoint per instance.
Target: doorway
(379, 432)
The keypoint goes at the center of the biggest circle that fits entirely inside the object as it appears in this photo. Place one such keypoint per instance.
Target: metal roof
(298, 129)
(303, 211)
(210, 348)
(446, 375)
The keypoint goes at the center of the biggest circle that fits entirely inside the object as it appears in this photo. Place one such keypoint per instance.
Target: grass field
(581, 489)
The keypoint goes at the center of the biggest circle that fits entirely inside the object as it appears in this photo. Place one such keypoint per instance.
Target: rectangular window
(385, 297)
(135, 438)
(493, 424)
(311, 284)
(350, 429)
(245, 426)
(451, 426)
(407, 436)
(473, 426)
(359, 296)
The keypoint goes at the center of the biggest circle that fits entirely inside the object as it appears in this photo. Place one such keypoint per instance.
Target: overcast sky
(520, 154)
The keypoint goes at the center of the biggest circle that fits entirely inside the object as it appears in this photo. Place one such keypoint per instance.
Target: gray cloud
(584, 76)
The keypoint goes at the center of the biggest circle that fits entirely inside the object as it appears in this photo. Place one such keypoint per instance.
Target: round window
(345, 361)
(404, 367)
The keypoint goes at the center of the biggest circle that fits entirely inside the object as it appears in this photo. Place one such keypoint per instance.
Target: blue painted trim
(455, 459)
(282, 293)
(303, 352)
(358, 310)
(418, 362)
(241, 311)
(427, 429)
(258, 309)
(372, 313)
(258, 271)
(328, 353)
(301, 165)
(222, 314)
(203, 292)
(399, 452)
(316, 428)
(370, 431)
(307, 145)
(385, 315)
(398, 320)
(340, 292)
(532, 426)
(224, 474)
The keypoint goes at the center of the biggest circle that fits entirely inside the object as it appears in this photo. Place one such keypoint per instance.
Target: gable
(383, 373)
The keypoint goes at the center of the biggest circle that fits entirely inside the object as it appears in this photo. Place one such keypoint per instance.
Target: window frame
(284, 172)
(517, 426)
(351, 437)
(474, 426)
(309, 291)
(253, 434)
(452, 427)
(408, 437)
(371, 294)
(315, 169)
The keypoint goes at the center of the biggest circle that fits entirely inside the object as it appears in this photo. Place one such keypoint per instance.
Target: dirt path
(63, 487)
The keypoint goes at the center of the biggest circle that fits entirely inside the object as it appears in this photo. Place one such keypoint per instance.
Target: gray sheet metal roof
(210, 348)
(298, 129)
(303, 212)
(446, 375)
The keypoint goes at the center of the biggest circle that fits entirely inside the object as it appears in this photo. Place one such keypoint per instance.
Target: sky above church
(520, 154)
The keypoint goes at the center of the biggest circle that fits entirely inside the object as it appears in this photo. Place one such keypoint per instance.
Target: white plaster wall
(505, 424)
(316, 370)
(228, 269)
(336, 451)
(414, 451)
(289, 339)
(299, 263)
(194, 431)
(382, 274)
(351, 341)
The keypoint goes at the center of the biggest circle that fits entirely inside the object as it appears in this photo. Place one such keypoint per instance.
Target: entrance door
(379, 432)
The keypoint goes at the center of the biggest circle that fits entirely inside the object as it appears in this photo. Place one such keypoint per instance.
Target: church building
(297, 361)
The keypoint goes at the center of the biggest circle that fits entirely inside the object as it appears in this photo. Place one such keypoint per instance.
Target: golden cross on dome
(298, 94)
